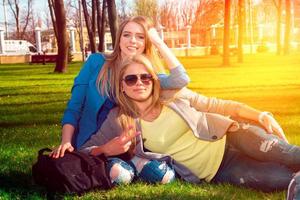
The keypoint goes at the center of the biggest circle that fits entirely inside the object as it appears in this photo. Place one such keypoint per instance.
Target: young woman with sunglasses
(193, 134)
(88, 107)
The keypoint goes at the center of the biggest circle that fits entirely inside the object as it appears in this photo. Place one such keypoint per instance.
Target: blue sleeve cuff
(177, 78)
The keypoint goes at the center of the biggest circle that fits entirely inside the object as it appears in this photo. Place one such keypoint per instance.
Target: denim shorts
(152, 172)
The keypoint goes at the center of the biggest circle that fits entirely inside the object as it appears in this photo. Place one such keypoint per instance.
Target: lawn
(32, 101)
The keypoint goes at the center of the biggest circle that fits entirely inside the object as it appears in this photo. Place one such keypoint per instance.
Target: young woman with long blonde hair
(195, 136)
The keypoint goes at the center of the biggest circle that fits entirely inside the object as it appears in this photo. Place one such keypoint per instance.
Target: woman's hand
(271, 125)
(61, 149)
(117, 145)
(154, 37)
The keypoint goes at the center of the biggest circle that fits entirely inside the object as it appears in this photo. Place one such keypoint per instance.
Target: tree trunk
(278, 34)
(226, 37)
(94, 13)
(27, 18)
(241, 18)
(62, 39)
(287, 35)
(16, 13)
(88, 27)
(51, 10)
(101, 25)
(81, 31)
(113, 20)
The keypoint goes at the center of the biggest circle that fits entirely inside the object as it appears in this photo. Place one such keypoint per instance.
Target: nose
(139, 82)
(133, 39)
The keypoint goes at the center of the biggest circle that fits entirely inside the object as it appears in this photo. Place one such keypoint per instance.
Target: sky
(39, 5)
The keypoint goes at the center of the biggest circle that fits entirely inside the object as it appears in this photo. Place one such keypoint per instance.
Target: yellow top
(169, 134)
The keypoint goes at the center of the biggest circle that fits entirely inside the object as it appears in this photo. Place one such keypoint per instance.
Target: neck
(143, 105)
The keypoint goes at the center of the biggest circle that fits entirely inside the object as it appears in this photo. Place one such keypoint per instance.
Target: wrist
(159, 44)
(262, 115)
(98, 150)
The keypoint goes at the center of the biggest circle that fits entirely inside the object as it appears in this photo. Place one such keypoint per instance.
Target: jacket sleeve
(109, 130)
(211, 104)
(177, 78)
(75, 105)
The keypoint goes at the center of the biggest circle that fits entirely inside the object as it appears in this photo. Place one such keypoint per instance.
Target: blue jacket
(86, 101)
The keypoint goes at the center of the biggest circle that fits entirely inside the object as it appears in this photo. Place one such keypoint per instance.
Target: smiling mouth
(132, 48)
(139, 90)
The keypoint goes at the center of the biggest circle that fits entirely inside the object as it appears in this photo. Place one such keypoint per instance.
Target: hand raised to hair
(118, 145)
(154, 36)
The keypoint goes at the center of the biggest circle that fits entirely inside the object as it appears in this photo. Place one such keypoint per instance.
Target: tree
(208, 13)
(287, 33)
(278, 29)
(101, 24)
(241, 20)
(169, 15)
(59, 21)
(124, 9)
(148, 8)
(88, 24)
(113, 19)
(226, 37)
(22, 16)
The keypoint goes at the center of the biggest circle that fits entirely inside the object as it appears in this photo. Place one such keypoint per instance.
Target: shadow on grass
(28, 124)
(20, 186)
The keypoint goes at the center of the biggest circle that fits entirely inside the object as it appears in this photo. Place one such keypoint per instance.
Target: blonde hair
(107, 76)
(128, 111)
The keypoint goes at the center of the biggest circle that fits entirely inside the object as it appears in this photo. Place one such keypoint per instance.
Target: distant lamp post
(236, 35)
(213, 31)
(72, 38)
(5, 18)
(260, 32)
(282, 33)
(38, 41)
(188, 36)
(2, 41)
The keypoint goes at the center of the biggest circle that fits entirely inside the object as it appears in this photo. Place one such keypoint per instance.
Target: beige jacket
(208, 118)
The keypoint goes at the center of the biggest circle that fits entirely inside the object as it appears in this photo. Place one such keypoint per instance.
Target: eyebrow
(133, 33)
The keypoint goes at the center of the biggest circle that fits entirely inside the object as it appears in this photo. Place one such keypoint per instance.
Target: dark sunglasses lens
(130, 80)
(146, 78)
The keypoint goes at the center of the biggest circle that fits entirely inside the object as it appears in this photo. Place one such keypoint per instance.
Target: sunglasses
(132, 79)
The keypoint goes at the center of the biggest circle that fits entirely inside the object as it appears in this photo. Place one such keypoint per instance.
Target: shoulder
(113, 114)
(167, 94)
(95, 61)
(96, 58)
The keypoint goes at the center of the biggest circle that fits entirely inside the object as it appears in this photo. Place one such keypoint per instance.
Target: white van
(18, 47)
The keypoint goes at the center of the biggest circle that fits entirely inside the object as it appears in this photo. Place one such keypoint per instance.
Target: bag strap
(88, 159)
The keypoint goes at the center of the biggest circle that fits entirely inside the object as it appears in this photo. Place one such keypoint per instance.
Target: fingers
(60, 150)
(272, 126)
(55, 153)
(278, 130)
(125, 137)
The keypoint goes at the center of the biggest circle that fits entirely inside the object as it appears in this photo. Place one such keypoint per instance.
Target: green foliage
(32, 101)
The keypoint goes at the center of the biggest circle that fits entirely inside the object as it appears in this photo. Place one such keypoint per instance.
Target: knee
(294, 188)
(169, 176)
(157, 172)
(121, 172)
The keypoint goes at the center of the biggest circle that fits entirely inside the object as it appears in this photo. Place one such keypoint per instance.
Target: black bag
(76, 172)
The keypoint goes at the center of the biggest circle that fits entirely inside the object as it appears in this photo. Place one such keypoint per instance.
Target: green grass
(33, 98)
